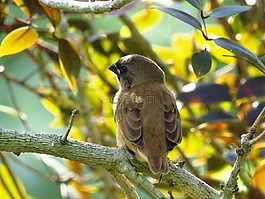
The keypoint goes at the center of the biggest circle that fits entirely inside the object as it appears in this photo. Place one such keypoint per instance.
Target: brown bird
(146, 114)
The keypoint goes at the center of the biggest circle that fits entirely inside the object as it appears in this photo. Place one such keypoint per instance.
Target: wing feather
(172, 121)
(128, 117)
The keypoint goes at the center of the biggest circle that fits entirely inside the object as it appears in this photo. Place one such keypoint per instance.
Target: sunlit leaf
(143, 20)
(222, 126)
(258, 178)
(192, 145)
(241, 51)
(226, 11)
(201, 63)
(195, 3)
(176, 56)
(183, 16)
(16, 191)
(18, 40)
(69, 61)
(55, 111)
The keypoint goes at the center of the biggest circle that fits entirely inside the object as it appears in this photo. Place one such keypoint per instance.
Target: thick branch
(97, 7)
(112, 159)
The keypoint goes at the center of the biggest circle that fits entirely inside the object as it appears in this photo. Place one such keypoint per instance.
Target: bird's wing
(172, 121)
(128, 117)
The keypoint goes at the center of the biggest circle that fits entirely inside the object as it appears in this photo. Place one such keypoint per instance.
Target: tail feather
(158, 165)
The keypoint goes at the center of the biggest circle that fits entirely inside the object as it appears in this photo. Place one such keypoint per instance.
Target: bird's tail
(158, 165)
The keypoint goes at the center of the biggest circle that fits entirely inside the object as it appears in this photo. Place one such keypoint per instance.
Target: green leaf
(226, 11)
(183, 16)
(241, 51)
(201, 63)
(69, 60)
(195, 3)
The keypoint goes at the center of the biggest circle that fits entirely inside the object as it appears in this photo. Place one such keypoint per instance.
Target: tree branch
(126, 186)
(111, 159)
(247, 141)
(96, 7)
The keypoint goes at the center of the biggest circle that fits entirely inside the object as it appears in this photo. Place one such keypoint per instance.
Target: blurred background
(59, 62)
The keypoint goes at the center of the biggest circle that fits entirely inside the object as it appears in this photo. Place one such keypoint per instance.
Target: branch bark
(111, 159)
(97, 7)
(247, 142)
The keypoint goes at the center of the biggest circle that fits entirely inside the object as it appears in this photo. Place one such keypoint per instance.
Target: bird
(145, 111)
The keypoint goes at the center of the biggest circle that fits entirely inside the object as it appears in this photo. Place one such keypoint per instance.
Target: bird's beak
(115, 69)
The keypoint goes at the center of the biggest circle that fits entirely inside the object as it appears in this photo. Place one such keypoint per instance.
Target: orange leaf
(18, 40)
(258, 179)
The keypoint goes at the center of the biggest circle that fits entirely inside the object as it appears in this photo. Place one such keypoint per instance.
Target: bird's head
(135, 69)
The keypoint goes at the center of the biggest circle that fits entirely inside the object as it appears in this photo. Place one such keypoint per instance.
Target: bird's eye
(123, 69)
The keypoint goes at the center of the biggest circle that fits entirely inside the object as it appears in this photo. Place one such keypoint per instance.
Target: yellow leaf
(8, 185)
(144, 20)
(18, 40)
(55, 111)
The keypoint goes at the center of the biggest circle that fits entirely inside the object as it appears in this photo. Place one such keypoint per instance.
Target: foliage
(62, 59)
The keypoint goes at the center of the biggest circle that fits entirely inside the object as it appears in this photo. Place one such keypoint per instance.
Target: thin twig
(63, 139)
(258, 121)
(16, 105)
(256, 139)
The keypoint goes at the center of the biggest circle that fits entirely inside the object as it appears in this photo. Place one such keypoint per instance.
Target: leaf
(53, 14)
(200, 93)
(214, 116)
(195, 3)
(252, 87)
(29, 7)
(226, 11)
(70, 62)
(18, 40)
(254, 112)
(22, 6)
(183, 16)
(144, 20)
(240, 50)
(201, 63)
(258, 179)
